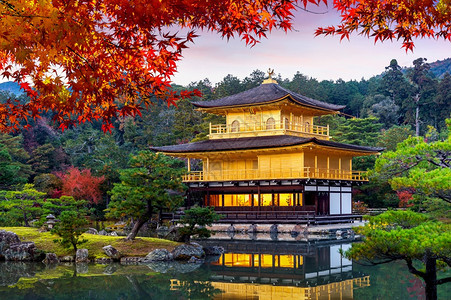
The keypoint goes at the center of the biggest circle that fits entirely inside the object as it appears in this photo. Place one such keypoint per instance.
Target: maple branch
(81, 57)
(17, 13)
(309, 11)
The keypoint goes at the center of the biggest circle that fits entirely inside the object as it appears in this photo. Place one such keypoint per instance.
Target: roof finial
(270, 73)
(269, 80)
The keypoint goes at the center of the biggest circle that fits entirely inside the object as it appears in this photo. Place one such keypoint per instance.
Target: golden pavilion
(270, 161)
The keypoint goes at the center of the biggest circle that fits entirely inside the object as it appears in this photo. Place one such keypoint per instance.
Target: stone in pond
(158, 255)
(112, 252)
(186, 251)
(81, 256)
(51, 258)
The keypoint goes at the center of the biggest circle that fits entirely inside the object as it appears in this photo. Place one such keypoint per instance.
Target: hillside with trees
(389, 108)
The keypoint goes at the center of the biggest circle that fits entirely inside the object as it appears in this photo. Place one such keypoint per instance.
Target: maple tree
(81, 184)
(383, 20)
(97, 60)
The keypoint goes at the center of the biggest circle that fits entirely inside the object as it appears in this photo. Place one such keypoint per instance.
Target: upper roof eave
(265, 94)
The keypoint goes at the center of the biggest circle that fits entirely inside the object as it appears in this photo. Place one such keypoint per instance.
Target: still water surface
(249, 270)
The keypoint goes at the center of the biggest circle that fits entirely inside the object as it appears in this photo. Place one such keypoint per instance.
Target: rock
(185, 251)
(196, 245)
(130, 260)
(103, 232)
(22, 252)
(12, 272)
(298, 229)
(82, 268)
(213, 250)
(114, 233)
(231, 231)
(173, 266)
(51, 258)
(68, 258)
(110, 269)
(252, 235)
(252, 228)
(194, 260)
(112, 252)
(160, 266)
(179, 267)
(162, 231)
(274, 229)
(81, 255)
(158, 255)
(104, 260)
(92, 231)
(274, 232)
(6, 239)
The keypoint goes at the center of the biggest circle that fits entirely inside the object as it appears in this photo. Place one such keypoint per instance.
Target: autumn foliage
(98, 60)
(404, 197)
(402, 20)
(81, 184)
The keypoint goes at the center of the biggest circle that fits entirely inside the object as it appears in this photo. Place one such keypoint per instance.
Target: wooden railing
(229, 129)
(271, 174)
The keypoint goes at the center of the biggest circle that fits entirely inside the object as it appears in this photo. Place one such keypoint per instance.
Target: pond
(248, 270)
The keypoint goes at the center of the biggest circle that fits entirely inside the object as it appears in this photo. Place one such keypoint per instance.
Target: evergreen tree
(408, 236)
(152, 184)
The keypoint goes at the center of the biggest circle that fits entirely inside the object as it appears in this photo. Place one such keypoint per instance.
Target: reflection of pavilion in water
(265, 273)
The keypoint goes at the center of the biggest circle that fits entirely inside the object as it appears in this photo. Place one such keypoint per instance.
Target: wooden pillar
(189, 165)
(316, 165)
(291, 121)
(259, 198)
(339, 168)
(207, 169)
(328, 161)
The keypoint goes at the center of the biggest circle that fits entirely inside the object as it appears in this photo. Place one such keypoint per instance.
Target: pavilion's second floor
(274, 166)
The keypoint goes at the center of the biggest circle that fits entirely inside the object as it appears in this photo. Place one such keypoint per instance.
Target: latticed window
(235, 126)
(270, 123)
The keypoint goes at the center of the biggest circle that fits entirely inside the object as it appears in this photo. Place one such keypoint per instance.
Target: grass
(138, 247)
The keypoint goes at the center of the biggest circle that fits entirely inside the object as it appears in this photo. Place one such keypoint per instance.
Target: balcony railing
(222, 130)
(293, 173)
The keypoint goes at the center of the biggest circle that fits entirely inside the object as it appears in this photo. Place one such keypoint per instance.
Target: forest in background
(83, 162)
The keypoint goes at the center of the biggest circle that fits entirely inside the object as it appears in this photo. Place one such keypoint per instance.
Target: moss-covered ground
(139, 247)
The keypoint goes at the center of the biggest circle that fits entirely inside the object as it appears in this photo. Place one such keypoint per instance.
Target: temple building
(270, 161)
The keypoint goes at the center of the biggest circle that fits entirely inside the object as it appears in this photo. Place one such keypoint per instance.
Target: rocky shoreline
(12, 249)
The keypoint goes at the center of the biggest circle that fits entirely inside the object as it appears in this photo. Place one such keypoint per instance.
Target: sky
(323, 58)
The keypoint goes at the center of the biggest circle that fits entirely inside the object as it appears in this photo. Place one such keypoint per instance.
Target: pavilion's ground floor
(289, 201)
